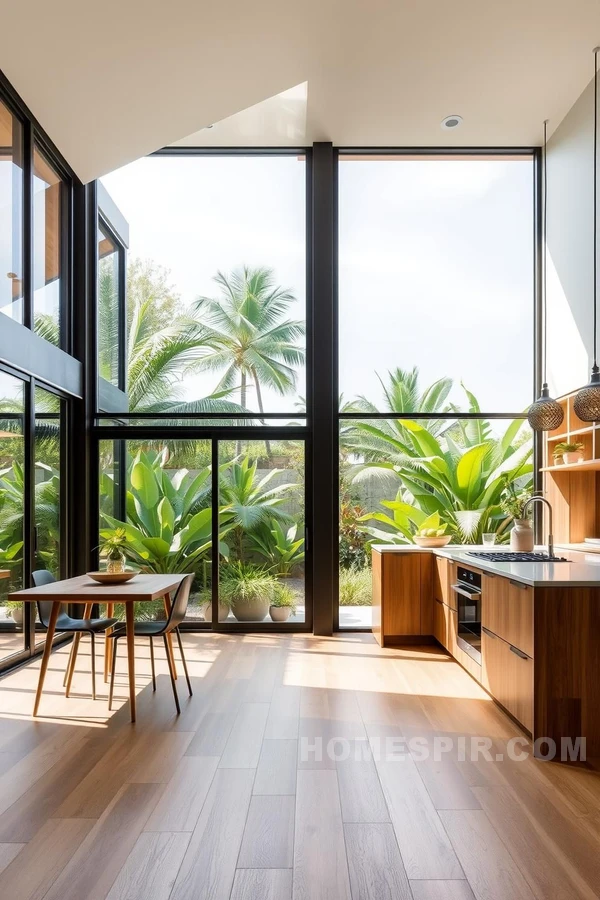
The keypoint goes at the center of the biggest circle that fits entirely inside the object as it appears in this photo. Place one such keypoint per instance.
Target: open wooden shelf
(588, 465)
(573, 490)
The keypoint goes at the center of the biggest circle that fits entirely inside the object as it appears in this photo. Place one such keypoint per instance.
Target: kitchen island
(528, 632)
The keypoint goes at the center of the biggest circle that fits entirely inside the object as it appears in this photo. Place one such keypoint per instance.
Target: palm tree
(160, 351)
(250, 337)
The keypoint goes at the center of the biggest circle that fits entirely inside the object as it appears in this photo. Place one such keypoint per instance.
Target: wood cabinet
(507, 673)
(402, 595)
(440, 626)
(507, 611)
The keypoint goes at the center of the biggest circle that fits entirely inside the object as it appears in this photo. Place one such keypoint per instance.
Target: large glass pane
(262, 531)
(216, 292)
(11, 215)
(47, 249)
(11, 512)
(436, 265)
(109, 337)
(398, 476)
(160, 493)
(48, 472)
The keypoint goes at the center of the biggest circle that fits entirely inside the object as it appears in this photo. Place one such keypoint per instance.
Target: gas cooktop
(501, 556)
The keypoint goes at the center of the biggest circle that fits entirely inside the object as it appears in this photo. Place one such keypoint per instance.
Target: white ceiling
(114, 81)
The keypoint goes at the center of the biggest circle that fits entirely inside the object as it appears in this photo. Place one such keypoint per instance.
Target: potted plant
(205, 604)
(248, 589)
(283, 604)
(569, 452)
(512, 502)
(432, 532)
(112, 548)
(15, 608)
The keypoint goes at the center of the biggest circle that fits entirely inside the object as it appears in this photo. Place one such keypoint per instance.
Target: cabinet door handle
(489, 633)
(489, 574)
(518, 652)
(517, 584)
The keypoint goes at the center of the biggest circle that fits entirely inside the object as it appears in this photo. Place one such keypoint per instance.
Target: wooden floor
(231, 799)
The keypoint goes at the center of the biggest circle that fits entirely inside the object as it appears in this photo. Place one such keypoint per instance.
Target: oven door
(468, 603)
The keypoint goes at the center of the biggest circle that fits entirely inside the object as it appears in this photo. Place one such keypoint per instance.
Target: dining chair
(65, 624)
(159, 628)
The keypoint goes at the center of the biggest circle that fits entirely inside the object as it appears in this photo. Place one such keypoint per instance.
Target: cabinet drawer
(507, 673)
(507, 610)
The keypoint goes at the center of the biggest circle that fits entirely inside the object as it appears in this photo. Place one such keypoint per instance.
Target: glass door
(262, 532)
(12, 510)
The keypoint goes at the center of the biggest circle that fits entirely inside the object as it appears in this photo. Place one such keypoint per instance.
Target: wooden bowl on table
(111, 577)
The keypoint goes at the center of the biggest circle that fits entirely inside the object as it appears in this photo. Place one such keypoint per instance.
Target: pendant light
(587, 400)
(545, 414)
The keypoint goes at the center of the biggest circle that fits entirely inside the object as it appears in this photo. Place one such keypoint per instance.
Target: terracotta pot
(251, 610)
(280, 613)
(521, 536)
(570, 458)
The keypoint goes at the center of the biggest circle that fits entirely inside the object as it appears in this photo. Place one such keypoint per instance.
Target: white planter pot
(17, 615)
(250, 610)
(570, 459)
(280, 613)
(207, 612)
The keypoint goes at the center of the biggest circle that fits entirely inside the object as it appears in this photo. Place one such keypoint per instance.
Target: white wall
(570, 247)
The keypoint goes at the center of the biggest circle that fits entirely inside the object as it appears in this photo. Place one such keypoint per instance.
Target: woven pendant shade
(545, 414)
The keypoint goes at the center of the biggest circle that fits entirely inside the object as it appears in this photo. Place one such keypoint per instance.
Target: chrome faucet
(543, 500)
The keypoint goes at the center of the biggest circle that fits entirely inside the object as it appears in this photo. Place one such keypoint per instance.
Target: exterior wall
(570, 247)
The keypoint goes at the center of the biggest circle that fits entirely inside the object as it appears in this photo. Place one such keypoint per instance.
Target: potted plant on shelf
(283, 604)
(569, 452)
(113, 549)
(433, 532)
(513, 502)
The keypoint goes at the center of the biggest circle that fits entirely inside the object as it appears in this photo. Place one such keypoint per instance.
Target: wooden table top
(141, 588)
(4, 573)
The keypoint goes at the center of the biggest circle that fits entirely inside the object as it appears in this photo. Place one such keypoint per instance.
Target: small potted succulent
(569, 452)
(283, 604)
(113, 549)
(432, 532)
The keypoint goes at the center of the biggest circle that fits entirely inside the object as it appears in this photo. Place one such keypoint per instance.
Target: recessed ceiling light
(451, 122)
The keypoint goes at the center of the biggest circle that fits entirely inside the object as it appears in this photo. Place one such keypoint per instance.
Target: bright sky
(436, 259)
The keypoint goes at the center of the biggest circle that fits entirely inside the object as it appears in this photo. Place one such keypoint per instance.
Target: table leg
(167, 602)
(46, 657)
(130, 628)
(110, 608)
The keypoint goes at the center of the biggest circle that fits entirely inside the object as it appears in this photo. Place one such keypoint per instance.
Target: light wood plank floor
(288, 776)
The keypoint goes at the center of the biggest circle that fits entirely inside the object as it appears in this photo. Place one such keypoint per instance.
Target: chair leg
(71, 671)
(152, 664)
(69, 662)
(170, 662)
(185, 668)
(93, 655)
(112, 673)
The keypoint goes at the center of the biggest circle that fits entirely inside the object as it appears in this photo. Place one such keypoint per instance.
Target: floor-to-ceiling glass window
(436, 318)
(12, 509)
(209, 427)
(48, 255)
(11, 214)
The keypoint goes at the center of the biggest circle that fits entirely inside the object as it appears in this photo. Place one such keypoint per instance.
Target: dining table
(142, 588)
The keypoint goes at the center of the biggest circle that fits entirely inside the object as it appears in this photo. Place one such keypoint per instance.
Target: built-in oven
(468, 604)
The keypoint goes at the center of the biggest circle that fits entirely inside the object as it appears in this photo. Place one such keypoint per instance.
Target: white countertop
(581, 570)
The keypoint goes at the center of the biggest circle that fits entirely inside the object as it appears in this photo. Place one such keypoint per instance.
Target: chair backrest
(41, 577)
(180, 603)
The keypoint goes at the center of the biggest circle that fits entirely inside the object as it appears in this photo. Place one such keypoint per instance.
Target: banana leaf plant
(283, 550)
(250, 503)
(462, 482)
(169, 516)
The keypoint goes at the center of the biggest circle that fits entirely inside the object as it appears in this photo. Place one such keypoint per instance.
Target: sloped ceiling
(111, 82)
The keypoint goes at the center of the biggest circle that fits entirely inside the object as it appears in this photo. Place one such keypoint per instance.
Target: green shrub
(355, 587)
(243, 582)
